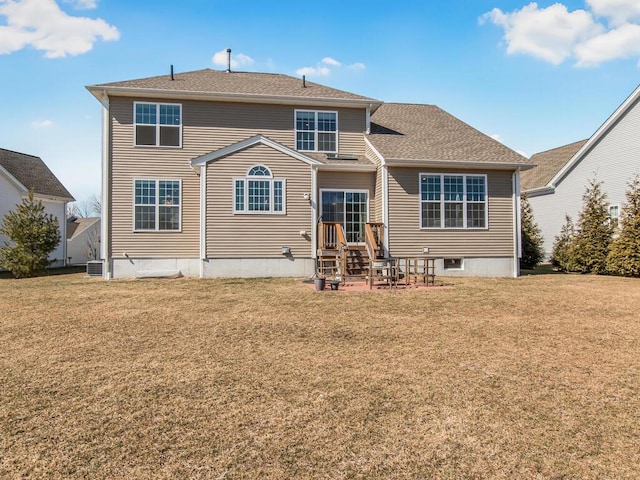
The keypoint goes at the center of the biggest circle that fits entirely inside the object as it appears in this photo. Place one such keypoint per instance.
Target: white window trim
(157, 125)
(271, 179)
(348, 190)
(455, 269)
(618, 221)
(464, 201)
(157, 206)
(316, 131)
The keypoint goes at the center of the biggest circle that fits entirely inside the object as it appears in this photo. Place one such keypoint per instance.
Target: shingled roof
(33, 174)
(403, 131)
(208, 81)
(548, 164)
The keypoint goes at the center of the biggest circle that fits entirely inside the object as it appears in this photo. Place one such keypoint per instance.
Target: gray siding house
(219, 173)
(20, 173)
(611, 155)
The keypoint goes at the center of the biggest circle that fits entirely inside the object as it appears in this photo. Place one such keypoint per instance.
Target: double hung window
(259, 192)
(453, 201)
(157, 205)
(158, 124)
(316, 131)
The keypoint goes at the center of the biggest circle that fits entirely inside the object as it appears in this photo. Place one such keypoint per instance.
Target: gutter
(97, 91)
(467, 164)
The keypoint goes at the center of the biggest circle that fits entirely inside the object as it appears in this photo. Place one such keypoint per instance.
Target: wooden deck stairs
(340, 261)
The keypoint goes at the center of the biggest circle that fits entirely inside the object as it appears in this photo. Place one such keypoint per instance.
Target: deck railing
(373, 234)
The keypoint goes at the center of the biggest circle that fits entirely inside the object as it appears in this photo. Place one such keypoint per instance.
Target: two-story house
(221, 173)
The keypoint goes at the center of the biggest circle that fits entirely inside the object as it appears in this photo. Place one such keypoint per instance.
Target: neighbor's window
(258, 192)
(157, 205)
(614, 215)
(453, 201)
(158, 124)
(316, 131)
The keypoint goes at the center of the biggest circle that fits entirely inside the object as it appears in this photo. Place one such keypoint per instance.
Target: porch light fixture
(286, 250)
(306, 196)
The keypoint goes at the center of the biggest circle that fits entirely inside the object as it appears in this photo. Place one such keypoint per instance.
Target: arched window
(259, 192)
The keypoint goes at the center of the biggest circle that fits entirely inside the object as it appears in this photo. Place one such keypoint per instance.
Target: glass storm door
(350, 208)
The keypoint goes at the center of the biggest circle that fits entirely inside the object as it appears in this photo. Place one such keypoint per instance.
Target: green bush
(590, 246)
(624, 254)
(33, 234)
(531, 237)
(561, 256)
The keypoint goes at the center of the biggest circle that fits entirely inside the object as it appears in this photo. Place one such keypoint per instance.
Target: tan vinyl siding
(130, 163)
(377, 205)
(406, 237)
(351, 181)
(207, 126)
(246, 235)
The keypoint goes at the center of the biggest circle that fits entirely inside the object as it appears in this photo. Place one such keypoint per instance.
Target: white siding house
(20, 173)
(611, 155)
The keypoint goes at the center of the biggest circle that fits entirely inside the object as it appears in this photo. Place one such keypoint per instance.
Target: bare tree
(90, 207)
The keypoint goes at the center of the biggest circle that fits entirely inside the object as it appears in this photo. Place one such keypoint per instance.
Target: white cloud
(325, 66)
(623, 42)
(497, 137)
(42, 25)
(617, 11)
(237, 60)
(549, 33)
(42, 124)
(83, 4)
(318, 71)
(555, 34)
(331, 61)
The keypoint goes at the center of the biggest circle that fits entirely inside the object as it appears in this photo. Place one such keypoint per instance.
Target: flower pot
(320, 283)
(334, 285)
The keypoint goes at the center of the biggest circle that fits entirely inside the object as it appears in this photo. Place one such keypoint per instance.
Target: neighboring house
(612, 155)
(214, 173)
(83, 240)
(20, 173)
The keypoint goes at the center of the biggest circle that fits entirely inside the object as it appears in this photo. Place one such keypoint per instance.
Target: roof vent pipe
(172, 72)
(304, 82)
(228, 60)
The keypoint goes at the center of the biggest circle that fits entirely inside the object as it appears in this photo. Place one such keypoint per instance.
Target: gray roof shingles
(426, 132)
(548, 164)
(32, 172)
(208, 81)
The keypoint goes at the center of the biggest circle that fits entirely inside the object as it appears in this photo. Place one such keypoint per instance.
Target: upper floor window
(453, 201)
(157, 205)
(316, 131)
(259, 192)
(158, 124)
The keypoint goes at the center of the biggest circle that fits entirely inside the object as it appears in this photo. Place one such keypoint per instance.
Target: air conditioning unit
(94, 268)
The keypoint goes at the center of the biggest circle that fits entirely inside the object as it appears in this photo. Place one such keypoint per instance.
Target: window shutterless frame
(150, 189)
(322, 124)
(160, 121)
(259, 193)
(468, 191)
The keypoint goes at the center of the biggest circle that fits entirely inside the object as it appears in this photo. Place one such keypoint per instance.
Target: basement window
(453, 264)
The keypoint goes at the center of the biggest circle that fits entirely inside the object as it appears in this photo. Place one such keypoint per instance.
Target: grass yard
(531, 378)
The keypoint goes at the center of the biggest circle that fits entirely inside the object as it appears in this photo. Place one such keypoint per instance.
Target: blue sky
(534, 75)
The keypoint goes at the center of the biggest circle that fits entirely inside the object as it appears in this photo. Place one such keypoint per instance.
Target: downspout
(203, 217)
(385, 205)
(64, 234)
(314, 211)
(105, 238)
(517, 224)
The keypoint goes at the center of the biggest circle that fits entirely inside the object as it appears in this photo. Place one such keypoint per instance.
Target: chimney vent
(228, 60)
(172, 72)
(304, 82)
